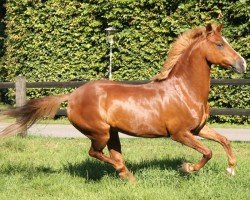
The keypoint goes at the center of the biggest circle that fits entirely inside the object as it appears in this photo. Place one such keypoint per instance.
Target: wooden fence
(21, 86)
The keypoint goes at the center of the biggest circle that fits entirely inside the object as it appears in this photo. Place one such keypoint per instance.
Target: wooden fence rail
(21, 86)
(4, 85)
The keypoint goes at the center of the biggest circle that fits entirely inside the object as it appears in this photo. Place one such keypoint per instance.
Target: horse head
(218, 50)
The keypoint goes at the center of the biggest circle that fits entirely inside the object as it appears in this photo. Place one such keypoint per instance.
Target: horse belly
(140, 125)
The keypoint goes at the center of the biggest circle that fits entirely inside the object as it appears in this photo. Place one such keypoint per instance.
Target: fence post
(20, 86)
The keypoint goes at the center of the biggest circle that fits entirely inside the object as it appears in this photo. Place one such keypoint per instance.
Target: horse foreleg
(211, 134)
(189, 140)
(114, 147)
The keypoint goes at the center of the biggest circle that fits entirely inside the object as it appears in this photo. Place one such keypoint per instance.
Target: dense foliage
(64, 40)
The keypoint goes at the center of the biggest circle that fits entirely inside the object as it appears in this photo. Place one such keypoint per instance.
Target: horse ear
(219, 28)
(209, 28)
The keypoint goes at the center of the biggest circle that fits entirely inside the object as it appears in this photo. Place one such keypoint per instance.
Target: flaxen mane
(177, 49)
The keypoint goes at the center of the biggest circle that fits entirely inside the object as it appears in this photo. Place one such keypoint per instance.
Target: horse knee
(225, 141)
(208, 154)
(94, 154)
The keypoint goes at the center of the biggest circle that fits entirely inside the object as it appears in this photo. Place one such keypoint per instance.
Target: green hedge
(64, 40)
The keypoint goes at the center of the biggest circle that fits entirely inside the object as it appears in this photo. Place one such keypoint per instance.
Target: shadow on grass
(11, 169)
(90, 169)
(95, 170)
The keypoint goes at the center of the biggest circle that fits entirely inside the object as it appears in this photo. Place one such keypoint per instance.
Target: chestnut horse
(174, 104)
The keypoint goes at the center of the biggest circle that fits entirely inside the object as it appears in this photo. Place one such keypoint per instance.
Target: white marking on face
(224, 40)
(244, 64)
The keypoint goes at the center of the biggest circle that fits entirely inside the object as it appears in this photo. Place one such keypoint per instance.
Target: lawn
(52, 168)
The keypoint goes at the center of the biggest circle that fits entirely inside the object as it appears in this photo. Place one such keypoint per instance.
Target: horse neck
(193, 72)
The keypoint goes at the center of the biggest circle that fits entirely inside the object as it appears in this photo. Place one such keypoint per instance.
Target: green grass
(52, 168)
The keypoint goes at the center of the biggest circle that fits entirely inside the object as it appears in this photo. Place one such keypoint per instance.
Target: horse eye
(220, 45)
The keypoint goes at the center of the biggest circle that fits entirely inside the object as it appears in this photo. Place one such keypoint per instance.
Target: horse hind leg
(115, 159)
(100, 138)
(211, 134)
(114, 147)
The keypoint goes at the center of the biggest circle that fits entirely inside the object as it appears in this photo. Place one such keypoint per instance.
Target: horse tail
(31, 112)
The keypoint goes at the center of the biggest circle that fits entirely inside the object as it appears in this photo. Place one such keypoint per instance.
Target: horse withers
(174, 104)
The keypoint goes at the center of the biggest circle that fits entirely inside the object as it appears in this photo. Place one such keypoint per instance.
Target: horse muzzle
(240, 66)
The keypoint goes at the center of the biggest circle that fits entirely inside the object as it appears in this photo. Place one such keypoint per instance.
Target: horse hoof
(187, 167)
(128, 176)
(231, 171)
(132, 179)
